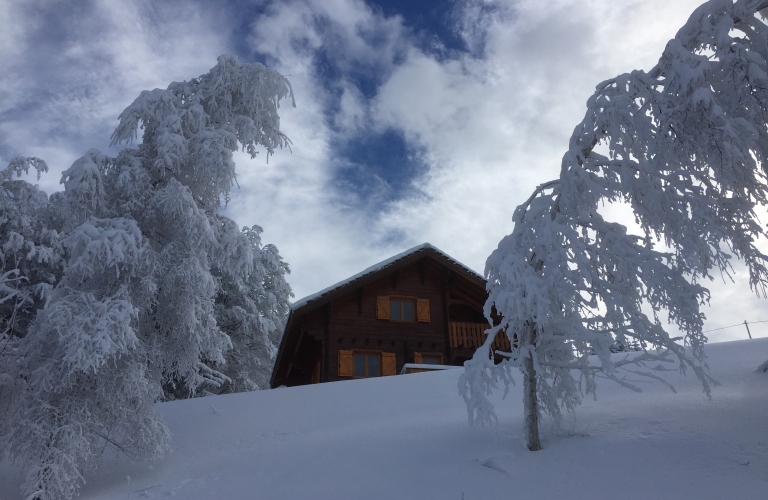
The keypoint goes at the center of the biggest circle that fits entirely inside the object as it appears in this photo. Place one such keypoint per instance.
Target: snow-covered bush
(129, 287)
(684, 146)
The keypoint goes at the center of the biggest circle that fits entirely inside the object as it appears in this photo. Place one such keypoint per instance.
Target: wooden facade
(418, 307)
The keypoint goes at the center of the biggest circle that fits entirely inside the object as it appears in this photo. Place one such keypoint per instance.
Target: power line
(733, 326)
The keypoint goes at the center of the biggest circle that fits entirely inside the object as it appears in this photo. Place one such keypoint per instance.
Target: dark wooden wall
(349, 322)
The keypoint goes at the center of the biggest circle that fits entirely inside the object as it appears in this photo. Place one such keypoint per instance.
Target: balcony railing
(472, 336)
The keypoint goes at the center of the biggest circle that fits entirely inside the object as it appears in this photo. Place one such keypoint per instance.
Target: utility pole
(745, 324)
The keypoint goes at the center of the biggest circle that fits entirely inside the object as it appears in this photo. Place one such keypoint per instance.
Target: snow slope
(407, 437)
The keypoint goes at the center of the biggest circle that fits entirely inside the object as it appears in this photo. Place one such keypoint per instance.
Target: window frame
(401, 299)
(346, 357)
(418, 357)
(438, 357)
(384, 309)
(366, 353)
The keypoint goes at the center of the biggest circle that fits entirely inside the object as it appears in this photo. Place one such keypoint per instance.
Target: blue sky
(415, 121)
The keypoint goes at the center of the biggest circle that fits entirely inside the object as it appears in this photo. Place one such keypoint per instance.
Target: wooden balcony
(472, 336)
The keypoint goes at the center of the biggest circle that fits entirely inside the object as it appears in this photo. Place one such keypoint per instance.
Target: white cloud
(490, 128)
(498, 127)
(316, 230)
(353, 114)
(82, 66)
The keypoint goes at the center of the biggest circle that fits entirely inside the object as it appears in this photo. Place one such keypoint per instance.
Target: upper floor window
(400, 308)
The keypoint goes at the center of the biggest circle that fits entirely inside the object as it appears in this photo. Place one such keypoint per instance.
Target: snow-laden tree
(252, 313)
(129, 287)
(31, 251)
(684, 145)
(31, 263)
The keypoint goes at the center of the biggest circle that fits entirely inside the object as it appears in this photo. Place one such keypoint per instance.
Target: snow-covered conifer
(129, 287)
(684, 146)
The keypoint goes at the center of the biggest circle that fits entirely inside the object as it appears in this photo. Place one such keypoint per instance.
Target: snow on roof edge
(377, 267)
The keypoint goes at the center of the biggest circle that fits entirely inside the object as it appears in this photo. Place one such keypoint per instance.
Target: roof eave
(341, 290)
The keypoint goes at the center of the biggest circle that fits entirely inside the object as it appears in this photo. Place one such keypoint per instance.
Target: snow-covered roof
(426, 367)
(378, 267)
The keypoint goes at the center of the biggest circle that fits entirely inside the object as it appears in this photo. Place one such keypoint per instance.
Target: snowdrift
(407, 437)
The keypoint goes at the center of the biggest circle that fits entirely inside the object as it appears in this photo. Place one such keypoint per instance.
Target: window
(401, 310)
(427, 358)
(431, 360)
(365, 364)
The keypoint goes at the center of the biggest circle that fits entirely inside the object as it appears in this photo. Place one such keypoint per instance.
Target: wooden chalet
(420, 307)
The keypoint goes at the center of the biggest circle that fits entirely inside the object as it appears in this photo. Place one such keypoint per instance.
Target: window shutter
(382, 307)
(388, 363)
(422, 310)
(346, 364)
(417, 358)
(316, 373)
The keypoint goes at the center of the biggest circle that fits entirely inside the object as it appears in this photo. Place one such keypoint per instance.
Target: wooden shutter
(346, 364)
(418, 358)
(422, 310)
(382, 307)
(316, 373)
(388, 363)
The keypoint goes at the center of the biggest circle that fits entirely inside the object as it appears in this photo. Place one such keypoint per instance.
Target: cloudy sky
(415, 121)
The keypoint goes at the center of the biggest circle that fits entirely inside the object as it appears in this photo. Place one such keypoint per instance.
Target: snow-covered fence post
(684, 145)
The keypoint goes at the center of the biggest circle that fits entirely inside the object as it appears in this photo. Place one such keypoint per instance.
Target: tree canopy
(129, 287)
(684, 145)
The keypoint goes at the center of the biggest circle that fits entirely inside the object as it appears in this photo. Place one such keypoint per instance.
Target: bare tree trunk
(531, 400)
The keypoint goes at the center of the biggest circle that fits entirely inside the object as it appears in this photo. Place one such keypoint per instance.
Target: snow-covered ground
(407, 437)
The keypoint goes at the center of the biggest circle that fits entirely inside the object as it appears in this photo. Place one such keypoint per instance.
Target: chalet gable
(385, 268)
(352, 326)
